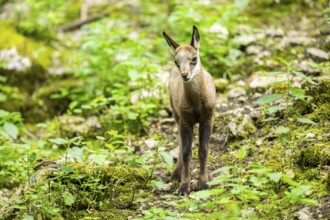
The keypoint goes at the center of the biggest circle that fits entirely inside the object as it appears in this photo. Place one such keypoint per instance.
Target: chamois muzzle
(184, 76)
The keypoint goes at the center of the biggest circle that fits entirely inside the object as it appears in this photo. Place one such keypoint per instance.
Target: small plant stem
(153, 166)
(287, 94)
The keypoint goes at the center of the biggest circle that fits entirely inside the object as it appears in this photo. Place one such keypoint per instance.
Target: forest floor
(241, 136)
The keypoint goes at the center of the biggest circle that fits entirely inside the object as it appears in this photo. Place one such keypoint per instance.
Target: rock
(257, 80)
(310, 135)
(253, 50)
(242, 126)
(236, 92)
(317, 54)
(221, 83)
(275, 32)
(305, 214)
(175, 152)
(304, 66)
(245, 40)
(258, 142)
(13, 61)
(220, 30)
(296, 41)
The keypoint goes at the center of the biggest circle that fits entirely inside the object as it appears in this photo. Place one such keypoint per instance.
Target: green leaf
(282, 130)
(159, 184)
(298, 93)
(68, 198)
(203, 194)
(268, 98)
(167, 158)
(28, 217)
(308, 201)
(76, 153)
(282, 60)
(222, 169)
(270, 119)
(98, 159)
(3, 113)
(275, 108)
(66, 169)
(273, 73)
(242, 153)
(32, 157)
(314, 65)
(306, 121)
(258, 181)
(11, 129)
(289, 181)
(275, 176)
(284, 139)
(303, 76)
(58, 141)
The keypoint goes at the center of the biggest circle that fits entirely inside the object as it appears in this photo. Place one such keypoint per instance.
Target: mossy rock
(315, 155)
(96, 190)
(39, 53)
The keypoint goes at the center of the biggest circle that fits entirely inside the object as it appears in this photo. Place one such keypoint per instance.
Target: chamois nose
(184, 75)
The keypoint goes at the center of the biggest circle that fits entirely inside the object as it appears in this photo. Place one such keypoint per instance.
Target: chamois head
(186, 57)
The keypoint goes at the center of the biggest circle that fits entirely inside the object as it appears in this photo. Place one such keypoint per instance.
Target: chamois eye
(194, 61)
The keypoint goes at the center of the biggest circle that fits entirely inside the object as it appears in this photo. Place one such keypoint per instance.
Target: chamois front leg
(178, 167)
(205, 130)
(186, 152)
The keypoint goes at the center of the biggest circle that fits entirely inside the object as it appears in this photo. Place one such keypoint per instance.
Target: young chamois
(192, 97)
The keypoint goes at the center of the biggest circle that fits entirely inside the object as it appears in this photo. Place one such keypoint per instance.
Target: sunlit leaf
(66, 169)
(307, 201)
(76, 153)
(275, 108)
(282, 60)
(306, 121)
(288, 180)
(222, 169)
(167, 158)
(58, 141)
(270, 119)
(298, 93)
(284, 139)
(68, 198)
(282, 130)
(98, 159)
(258, 181)
(11, 129)
(275, 176)
(159, 184)
(303, 76)
(268, 98)
(203, 194)
(28, 217)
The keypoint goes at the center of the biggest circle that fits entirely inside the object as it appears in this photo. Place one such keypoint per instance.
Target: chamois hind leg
(205, 130)
(186, 133)
(178, 167)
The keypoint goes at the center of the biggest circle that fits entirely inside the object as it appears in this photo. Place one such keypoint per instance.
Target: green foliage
(292, 94)
(232, 196)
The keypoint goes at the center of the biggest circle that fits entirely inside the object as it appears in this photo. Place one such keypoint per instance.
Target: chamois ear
(195, 39)
(173, 45)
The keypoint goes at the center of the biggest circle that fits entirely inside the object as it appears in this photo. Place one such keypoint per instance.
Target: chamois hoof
(184, 190)
(176, 175)
(201, 185)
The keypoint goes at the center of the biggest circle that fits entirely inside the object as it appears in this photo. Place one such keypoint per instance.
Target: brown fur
(192, 97)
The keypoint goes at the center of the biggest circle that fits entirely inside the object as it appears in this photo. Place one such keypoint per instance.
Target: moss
(38, 52)
(315, 155)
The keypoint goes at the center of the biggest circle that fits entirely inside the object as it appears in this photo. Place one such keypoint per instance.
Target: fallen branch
(79, 22)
